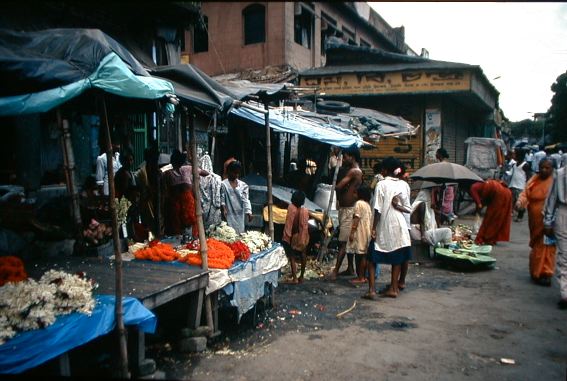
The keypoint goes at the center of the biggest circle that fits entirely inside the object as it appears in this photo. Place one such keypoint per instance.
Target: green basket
(465, 259)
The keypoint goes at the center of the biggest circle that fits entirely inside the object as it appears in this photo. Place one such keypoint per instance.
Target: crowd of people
(377, 221)
(157, 185)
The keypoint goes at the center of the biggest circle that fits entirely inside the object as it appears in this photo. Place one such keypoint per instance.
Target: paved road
(446, 325)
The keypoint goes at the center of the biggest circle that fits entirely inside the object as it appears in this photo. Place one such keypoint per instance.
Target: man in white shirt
(101, 168)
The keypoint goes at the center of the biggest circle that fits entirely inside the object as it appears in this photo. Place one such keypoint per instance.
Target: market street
(446, 325)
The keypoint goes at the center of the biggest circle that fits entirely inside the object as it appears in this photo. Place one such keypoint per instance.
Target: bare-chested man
(346, 198)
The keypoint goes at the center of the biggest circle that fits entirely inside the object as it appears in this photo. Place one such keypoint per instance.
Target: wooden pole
(69, 162)
(197, 190)
(118, 312)
(213, 144)
(269, 165)
(326, 240)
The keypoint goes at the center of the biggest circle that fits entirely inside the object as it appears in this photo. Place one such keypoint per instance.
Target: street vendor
(346, 198)
(235, 201)
(496, 196)
(423, 226)
(179, 198)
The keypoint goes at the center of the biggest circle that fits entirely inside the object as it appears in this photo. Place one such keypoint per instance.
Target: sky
(521, 47)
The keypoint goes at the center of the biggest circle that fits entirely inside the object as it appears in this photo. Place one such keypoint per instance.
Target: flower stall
(240, 265)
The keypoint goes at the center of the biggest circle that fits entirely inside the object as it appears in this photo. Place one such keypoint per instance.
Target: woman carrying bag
(296, 235)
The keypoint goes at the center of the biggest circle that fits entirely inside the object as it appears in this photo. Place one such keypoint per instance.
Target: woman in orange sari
(497, 198)
(542, 257)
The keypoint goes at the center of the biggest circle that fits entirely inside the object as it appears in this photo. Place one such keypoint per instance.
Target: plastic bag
(477, 223)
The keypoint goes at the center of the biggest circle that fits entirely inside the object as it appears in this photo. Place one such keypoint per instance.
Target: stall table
(245, 282)
(151, 283)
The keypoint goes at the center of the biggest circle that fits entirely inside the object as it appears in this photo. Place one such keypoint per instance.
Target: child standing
(296, 223)
(360, 232)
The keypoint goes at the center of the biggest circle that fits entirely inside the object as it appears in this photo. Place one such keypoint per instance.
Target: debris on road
(506, 361)
(341, 314)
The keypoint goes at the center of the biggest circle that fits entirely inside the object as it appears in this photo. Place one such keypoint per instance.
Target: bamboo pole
(269, 165)
(197, 189)
(69, 162)
(326, 240)
(118, 312)
(213, 144)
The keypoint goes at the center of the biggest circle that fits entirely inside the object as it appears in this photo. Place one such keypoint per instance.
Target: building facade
(449, 101)
(236, 36)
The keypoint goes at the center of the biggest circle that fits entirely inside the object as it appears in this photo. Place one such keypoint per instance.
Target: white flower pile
(73, 292)
(29, 305)
(256, 241)
(222, 232)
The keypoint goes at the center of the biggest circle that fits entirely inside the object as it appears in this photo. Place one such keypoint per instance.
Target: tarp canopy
(41, 70)
(293, 123)
(193, 86)
(243, 89)
(367, 122)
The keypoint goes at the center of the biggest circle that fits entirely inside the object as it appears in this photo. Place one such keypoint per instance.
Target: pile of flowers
(223, 232)
(97, 233)
(219, 255)
(31, 304)
(11, 270)
(240, 250)
(256, 241)
(157, 251)
(461, 232)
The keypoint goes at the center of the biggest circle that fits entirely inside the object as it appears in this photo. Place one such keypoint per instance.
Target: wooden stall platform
(153, 284)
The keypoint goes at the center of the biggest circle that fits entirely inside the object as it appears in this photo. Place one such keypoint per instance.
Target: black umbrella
(445, 172)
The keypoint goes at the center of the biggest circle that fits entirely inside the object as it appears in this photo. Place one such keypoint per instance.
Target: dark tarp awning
(244, 89)
(41, 70)
(194, 86)
(41, 60)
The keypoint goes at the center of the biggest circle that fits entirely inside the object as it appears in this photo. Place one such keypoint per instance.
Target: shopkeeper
(179, 198)
(234, 198)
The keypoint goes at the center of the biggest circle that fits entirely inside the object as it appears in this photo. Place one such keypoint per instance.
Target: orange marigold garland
(11, 270)
(157, 251)
(219, 255)
(240, 250)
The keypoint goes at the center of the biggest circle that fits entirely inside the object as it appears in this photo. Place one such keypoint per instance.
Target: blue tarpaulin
(294, 124)
(32, 348)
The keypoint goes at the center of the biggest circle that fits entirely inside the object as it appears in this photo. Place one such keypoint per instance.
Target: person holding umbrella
(497, 198)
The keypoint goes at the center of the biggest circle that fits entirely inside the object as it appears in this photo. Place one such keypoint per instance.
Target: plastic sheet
(32, 348)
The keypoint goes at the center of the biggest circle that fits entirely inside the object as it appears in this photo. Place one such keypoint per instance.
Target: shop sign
(391, 83)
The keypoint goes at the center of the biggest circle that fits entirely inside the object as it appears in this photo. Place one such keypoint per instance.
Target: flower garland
(157, 251)
(122, 207)
(11, 270)
(29, 304)
(240, 250)
(219, 255)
